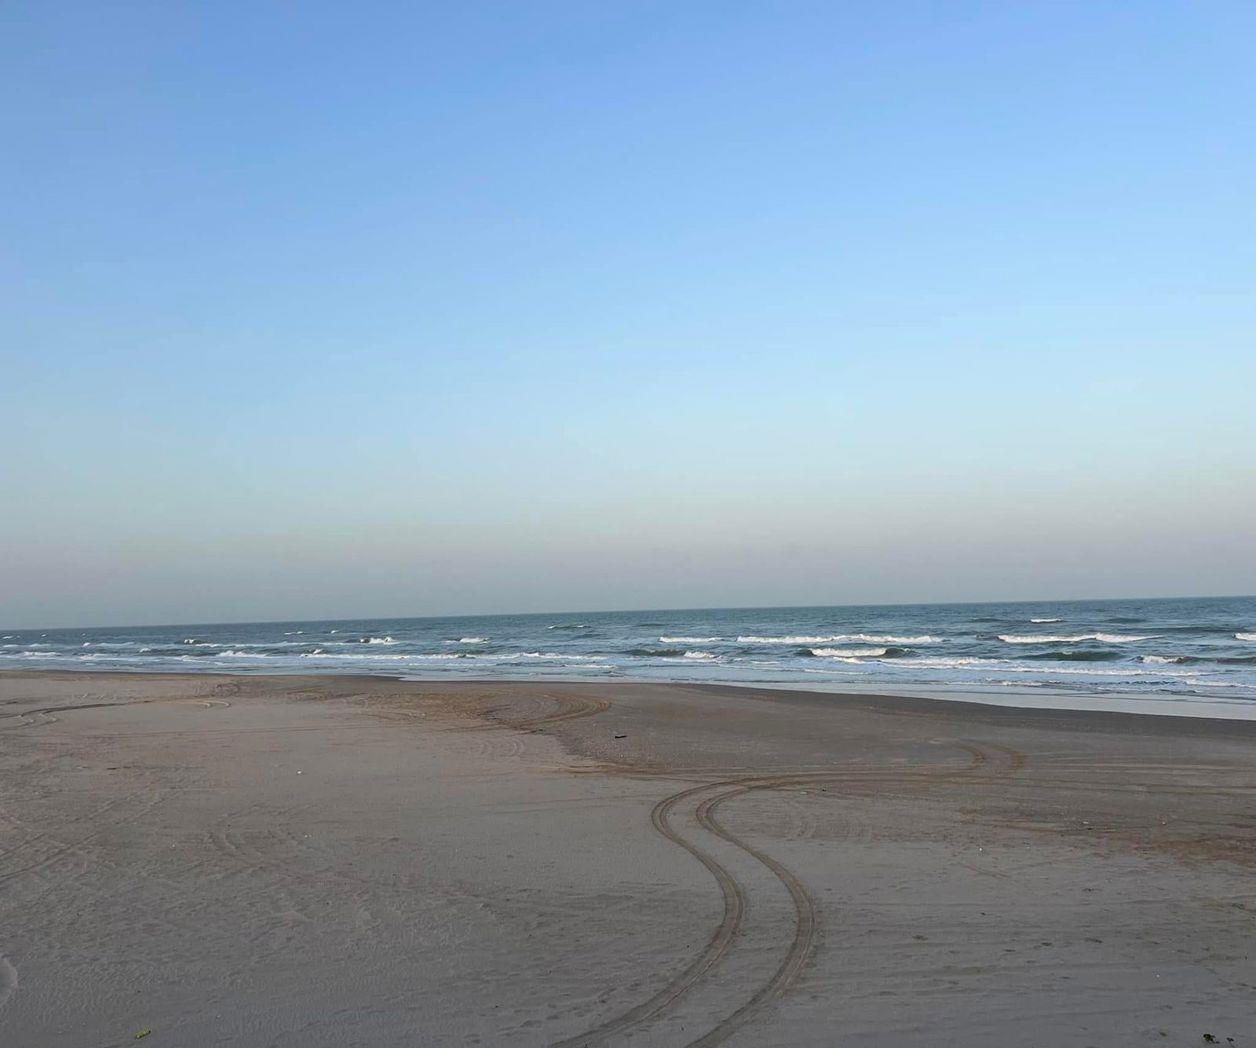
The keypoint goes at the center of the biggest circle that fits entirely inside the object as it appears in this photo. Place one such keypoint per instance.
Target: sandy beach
(208, 860)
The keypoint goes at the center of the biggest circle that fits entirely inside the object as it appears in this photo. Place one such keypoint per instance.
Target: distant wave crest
(1011, 666)
(1052, 638)
(849, 653)
(838, 638)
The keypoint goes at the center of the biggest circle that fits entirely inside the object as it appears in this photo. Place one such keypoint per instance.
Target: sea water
(1201, 649)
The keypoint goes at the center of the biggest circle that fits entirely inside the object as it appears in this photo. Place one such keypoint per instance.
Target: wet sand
(361, 861)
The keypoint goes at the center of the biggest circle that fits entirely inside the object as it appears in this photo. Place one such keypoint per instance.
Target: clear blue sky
(366, 309)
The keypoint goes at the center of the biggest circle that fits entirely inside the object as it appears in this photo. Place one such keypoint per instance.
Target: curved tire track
(569, 708)
(806, 918)
(806, 921)
(718, 944)
(25, 718)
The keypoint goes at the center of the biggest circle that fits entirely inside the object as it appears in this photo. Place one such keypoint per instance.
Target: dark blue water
(1201, 648)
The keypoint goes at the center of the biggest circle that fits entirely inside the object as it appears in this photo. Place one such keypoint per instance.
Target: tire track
(569, 708)
(25, 718)
(734, 897)
(806, 919)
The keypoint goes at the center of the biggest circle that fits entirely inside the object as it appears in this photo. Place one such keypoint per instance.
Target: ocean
(1175, 649)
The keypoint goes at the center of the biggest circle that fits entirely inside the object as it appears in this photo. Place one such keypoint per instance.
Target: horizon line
(629, 611)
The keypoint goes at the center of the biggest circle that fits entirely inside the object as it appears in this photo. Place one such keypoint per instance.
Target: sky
(329, 310)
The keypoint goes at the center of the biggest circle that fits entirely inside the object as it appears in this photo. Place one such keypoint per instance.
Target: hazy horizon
(445, 309)
(544, 612)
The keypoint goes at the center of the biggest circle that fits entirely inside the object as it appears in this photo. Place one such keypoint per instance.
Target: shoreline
(1171, 706)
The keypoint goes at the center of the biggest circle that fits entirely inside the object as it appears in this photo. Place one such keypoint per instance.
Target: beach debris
(142, 1034)
(621, 736)
(1210, 1039)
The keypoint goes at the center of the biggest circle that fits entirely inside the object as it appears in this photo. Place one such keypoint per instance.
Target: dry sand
(358, 861)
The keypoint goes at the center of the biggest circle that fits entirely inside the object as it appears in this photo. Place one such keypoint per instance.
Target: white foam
(700, 655)
(837, 638)
(552, 655)
(1046, 620)
(1245, 636)
(344, 656)
(546, 656)
(848, 653)
(347, 657)
(689, 640)
(1055, 638)
(549, 656)
(1047, 668)
(379, 640)
(468, 640)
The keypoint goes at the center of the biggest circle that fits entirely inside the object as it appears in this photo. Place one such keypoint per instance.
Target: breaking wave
(1052, 638)
(1014, 666)
(849, 653)
(838, 638)
(1075, 656)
